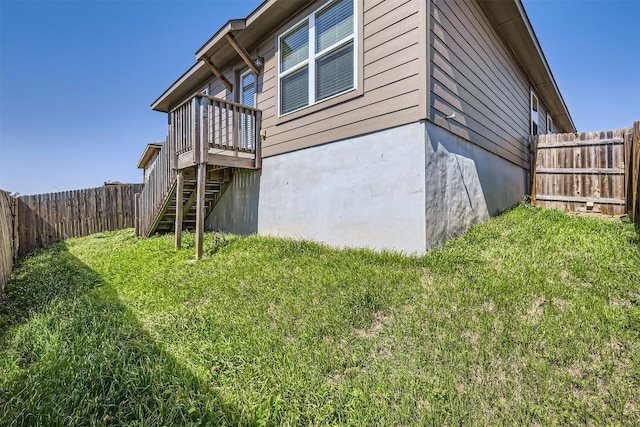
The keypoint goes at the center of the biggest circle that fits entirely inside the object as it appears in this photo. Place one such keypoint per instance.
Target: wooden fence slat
(43, 219)
(634, 172)
(6, 238)
(583, 171)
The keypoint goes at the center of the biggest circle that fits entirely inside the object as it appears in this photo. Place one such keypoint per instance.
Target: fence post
(634, 168)
(533, 146)
(16, 228)
(628, 161)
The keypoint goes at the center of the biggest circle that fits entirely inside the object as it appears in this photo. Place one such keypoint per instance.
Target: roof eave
(512, 22)
(149, 150)
(232, 25)
(162, 103)
(218, 48)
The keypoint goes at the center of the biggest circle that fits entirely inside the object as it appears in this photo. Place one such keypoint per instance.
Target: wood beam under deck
(242, 160)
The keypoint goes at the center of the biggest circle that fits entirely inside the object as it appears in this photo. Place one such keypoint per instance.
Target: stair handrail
(157, 188)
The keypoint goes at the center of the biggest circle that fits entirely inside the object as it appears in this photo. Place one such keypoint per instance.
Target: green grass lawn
(532, 318)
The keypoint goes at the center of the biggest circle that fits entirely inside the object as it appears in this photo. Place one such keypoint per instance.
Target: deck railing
(203, 122)
(156, 190)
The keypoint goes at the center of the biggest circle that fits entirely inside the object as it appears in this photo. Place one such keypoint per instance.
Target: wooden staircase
(218, 180)
(207, 139)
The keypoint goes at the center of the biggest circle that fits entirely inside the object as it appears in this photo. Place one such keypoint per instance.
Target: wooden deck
(208, 130)
(207, 139)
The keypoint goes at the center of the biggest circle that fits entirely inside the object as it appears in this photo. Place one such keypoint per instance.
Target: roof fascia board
(147, 154)
(232, 25)
(186, 76)
(266, 5)
(535, 66)
(536, 42)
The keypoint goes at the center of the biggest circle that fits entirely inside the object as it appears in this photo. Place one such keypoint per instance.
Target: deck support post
(179, 203)
(202, 172)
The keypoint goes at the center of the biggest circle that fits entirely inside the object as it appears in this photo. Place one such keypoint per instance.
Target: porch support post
(179, 202)
(257, 144)
(202, 172)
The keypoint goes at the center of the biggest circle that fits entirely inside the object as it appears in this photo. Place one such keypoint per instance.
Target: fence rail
(589, 171)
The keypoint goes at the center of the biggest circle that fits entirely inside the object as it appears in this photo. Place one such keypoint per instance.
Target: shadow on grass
(72, 354)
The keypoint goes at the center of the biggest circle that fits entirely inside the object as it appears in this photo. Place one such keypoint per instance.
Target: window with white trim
(549, 124)
(247, 97)
(534, 114)
(317, 58)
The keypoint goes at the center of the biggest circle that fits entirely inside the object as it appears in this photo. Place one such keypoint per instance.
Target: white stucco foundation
(237, 210)
(465, 184)
(361, 192)
(404, 189)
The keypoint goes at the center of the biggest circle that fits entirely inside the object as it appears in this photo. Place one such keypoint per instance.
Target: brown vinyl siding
(474, 76)
(470, 72)
(389, 72)
(218, 89)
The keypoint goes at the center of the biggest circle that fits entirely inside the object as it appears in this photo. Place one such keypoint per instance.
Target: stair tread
(212, 190)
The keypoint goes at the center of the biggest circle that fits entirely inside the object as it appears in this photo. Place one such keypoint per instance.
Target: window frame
(533, 121)
(241, 88)
(313, 57)
(246, 126)
(549, 123)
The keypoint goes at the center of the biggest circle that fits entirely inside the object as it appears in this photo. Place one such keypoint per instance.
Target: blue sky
(77, 77)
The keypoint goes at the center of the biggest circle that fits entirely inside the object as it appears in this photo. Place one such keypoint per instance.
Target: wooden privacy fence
(48, 218)
(33, 222)
(587, 172)
(632, 153)
(6, 238)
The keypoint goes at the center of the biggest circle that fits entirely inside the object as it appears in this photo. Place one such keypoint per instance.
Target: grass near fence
(530, 319)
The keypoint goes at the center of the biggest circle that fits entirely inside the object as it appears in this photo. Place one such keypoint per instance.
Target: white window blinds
(317, 57)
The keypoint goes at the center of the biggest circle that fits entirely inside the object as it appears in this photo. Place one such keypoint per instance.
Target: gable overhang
(512, 23)
(221, 50)
(149, 151)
